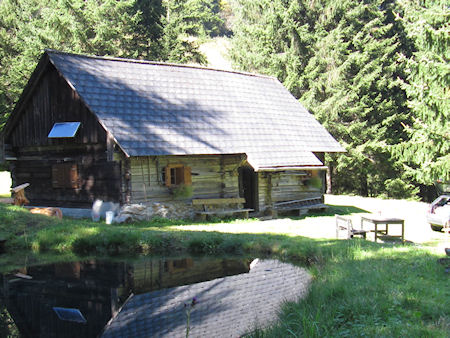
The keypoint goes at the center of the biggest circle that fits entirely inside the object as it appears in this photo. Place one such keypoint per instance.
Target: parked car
(438, 216)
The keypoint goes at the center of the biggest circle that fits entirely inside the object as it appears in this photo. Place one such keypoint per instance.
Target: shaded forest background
(376, 74)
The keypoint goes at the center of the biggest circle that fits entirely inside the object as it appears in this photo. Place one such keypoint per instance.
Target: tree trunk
(328, 179)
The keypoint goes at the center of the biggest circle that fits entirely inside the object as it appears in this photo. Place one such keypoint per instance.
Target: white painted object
(109, 217)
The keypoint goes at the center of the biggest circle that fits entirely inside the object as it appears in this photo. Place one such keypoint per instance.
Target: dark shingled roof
(166, 109)
(227, 307)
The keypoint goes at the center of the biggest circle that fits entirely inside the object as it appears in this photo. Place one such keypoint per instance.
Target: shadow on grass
(28, 233)
(332, 210)
(158, 222)
(343, 210)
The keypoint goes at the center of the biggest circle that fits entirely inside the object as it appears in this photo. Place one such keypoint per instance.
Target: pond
(147, 297)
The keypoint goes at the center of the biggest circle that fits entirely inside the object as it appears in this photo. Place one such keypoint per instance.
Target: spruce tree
(186, 22)
(27, 27)
(426, 153)
(341, 60)
(353, 88)
(163, 30)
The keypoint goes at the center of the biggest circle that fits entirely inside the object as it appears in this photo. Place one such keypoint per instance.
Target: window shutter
(187, 176)
(73, 176)
(168, 176)
(177, 173)
(57, 176)
(65, 175)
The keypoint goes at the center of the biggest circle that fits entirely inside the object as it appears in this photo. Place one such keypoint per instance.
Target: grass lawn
(360, 288)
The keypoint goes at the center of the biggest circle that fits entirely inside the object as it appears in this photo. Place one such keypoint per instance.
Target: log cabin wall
(151, 275)
(286, 186)
(213, 176)
(53, 100)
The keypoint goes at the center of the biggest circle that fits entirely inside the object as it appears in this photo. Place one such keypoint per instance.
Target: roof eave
(303, 167)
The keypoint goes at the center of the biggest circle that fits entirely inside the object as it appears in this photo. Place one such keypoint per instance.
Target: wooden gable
(51, 100)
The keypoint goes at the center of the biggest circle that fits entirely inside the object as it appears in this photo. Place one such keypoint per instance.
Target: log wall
(53, 100)
(285, 186)
(96, 181)
(212, 177)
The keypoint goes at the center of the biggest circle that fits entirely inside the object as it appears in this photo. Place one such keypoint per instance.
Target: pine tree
(27, 27)
(340, 59)
(426, 152)
(185, 23)
(353, 88)
(274, 37)
(150, 29)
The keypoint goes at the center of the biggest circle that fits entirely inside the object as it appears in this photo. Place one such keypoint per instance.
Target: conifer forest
(375, 73)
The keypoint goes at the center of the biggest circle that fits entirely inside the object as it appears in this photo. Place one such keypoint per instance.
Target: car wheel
(436, 227)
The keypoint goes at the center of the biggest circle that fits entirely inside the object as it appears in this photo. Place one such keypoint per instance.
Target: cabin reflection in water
(97, 289)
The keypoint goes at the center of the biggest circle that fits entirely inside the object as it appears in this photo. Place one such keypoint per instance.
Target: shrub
(181, 192)
(314, 182)
(396, 188)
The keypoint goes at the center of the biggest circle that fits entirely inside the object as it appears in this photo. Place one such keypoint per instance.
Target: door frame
(248, 187)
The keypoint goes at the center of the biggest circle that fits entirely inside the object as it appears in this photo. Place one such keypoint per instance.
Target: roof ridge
(160, 63)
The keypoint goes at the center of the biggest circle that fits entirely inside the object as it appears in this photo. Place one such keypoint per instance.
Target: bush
(314, 182)
(396, 188)
(181, 192)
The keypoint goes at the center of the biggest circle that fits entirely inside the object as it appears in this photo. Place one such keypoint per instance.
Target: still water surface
(77, 299)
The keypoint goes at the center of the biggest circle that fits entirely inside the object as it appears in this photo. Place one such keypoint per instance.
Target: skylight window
(64, 129)
(70, 315)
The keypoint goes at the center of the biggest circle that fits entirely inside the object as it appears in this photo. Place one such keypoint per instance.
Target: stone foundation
(142, 212)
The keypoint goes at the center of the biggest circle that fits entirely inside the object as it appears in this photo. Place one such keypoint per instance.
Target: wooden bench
(302, 206)
(345, 224)
(220, 206)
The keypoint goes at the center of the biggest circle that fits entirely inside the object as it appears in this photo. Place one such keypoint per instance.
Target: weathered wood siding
(96, 180)
(53, 100)
(212, 177)
(151, 275)
(285, 186)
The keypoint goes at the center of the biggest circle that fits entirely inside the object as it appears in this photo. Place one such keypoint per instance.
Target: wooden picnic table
(378, 220)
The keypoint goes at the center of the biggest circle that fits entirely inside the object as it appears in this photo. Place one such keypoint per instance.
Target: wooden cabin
(133, 131)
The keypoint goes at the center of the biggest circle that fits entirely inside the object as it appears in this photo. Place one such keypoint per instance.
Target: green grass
(374, 292)
(359, 288)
